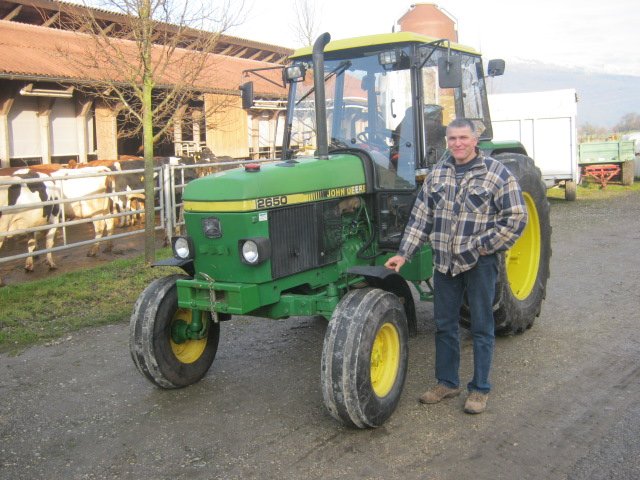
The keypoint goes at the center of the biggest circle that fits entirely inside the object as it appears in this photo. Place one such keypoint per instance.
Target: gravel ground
(564, 404)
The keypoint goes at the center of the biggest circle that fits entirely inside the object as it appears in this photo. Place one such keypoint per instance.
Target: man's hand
(395, 262)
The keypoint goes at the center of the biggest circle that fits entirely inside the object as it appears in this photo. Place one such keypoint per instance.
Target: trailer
(545, 123)
(607, 160)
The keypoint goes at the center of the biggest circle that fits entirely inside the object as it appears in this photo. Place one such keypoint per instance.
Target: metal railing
(170, 183)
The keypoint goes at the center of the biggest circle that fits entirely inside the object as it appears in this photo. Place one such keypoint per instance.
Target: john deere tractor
(308, 234)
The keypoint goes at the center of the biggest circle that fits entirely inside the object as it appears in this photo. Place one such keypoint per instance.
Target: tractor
(308, 233)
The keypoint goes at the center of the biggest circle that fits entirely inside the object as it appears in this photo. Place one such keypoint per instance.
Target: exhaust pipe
(321, 108)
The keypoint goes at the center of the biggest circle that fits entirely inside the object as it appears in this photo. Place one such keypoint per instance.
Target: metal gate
(171, 180)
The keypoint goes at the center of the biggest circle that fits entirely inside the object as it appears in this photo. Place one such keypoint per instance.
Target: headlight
(294, 73)
(250, 252)
(182, 247)
(388, 58)
(254, 251)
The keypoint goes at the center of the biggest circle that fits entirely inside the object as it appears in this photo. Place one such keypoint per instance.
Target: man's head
(462, 140)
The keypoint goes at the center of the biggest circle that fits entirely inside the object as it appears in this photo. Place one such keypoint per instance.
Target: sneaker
(476, 402)
(439, 393)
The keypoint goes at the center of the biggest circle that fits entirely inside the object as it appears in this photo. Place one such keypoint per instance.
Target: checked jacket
(485, 210)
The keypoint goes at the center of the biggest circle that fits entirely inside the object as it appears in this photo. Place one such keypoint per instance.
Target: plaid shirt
(485, 210)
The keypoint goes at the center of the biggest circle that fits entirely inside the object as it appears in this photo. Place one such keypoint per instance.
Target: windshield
(366, 103)
(371, 103)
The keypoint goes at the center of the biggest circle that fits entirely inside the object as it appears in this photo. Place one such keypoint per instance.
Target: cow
(126, 186)
(20, 209)
(84, 197)
(129, 187)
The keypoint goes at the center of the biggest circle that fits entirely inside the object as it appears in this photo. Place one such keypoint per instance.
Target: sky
(597, 35)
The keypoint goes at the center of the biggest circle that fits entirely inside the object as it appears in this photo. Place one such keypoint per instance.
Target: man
(470, 208)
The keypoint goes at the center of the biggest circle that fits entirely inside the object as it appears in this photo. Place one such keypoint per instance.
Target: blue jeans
(480, 283)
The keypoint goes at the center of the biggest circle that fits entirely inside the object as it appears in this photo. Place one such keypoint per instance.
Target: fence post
(168, 201)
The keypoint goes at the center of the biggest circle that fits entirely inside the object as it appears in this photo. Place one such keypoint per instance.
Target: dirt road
(564, 404)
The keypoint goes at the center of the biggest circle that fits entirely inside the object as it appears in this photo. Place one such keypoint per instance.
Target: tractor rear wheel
(524, 268)
(162, 361)
(364, 358)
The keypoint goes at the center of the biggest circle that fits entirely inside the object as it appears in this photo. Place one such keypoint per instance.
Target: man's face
(462, 144)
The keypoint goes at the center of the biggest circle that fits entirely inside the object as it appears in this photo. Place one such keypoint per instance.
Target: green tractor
(308, 234)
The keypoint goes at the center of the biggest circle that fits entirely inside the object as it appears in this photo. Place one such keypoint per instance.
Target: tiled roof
(63, 15)
(34, 52)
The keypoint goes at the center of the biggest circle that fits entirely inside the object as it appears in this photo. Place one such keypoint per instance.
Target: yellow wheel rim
(523, 259)
(385, 359)
(191, 350)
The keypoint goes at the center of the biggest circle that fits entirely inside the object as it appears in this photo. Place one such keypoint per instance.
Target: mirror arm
(435, 44)
(245, 73)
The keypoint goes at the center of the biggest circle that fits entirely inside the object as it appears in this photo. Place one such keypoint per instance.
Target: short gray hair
(464, 123)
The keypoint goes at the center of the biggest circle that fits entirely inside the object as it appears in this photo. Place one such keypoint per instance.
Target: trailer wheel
(162, 361)
(523, 269)
(570, 191)
(627, 174)
(364, 358)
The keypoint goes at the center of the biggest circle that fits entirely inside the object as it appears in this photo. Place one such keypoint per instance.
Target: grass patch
(47, 309)
(590, 190)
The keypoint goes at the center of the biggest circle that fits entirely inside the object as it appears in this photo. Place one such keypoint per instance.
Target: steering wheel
(373, 138)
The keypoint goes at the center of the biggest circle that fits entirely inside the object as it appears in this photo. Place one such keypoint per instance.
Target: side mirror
(449, 72)
(495, 67)
(247, 95)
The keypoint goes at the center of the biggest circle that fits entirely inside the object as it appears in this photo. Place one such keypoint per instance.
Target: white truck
(545, 123)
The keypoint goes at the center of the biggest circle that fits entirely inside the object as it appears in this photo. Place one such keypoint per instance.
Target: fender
(186, 265)
(390, 281)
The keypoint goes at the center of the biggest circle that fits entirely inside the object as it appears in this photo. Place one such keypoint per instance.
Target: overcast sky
(601, 35)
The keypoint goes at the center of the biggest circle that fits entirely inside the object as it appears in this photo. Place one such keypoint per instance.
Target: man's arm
(416, 232)
(510, 219)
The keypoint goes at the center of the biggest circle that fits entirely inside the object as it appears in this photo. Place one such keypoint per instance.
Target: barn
(46, 116)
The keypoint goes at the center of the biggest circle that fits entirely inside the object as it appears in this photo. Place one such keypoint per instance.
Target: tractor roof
(379, 39)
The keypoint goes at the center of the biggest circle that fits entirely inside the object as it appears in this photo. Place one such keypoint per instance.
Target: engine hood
(276, 184)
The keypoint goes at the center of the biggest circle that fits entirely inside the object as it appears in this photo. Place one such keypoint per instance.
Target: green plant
(51, 308)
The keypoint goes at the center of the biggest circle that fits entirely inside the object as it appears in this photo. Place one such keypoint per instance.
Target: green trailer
(607, 160)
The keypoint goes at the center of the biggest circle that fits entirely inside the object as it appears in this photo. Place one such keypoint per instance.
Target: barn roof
(61, 15)
(32, 52)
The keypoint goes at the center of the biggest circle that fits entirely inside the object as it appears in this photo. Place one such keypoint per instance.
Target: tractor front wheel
(364, 358)
(158, 357)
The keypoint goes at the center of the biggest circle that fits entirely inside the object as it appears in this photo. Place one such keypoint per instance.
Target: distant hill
(602, 98)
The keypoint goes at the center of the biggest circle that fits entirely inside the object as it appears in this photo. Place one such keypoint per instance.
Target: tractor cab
(392, 100)
(387, 98)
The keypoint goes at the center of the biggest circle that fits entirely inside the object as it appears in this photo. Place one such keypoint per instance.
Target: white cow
(83, 197)
(21, 209)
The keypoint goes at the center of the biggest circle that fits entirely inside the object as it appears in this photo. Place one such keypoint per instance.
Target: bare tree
(589, 132)
(150, 65)
(629, 122)
(307, 21)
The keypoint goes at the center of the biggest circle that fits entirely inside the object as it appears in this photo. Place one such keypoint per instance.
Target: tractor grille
(304, 237)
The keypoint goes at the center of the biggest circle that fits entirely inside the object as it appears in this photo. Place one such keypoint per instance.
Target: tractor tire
(570, 191)
(163, 362)
(627, 174)
(523, 270)
(365, 357)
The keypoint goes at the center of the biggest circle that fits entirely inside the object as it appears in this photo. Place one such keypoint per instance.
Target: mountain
(603, 98)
